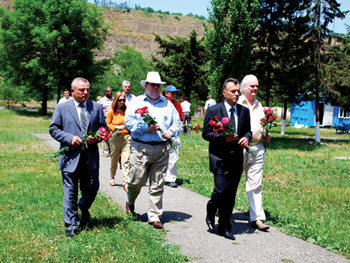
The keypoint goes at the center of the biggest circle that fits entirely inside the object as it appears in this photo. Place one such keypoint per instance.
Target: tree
(335, 65)
(294, 73)
(229, 42)
(130, 65)
(183, 64)
(45, 44)
(323, 12)
(267, 38)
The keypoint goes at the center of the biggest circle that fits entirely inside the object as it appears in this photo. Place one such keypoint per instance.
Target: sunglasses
(122, 100)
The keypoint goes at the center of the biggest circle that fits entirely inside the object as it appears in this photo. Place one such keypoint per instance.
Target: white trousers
(253, 167)
(171, 172)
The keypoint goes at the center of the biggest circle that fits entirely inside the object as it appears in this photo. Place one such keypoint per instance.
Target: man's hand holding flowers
(153, 126)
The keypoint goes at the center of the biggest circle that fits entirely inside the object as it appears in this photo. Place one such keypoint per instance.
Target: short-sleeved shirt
(106, 104)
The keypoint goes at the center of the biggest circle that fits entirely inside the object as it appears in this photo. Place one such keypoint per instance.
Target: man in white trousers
(253, 165)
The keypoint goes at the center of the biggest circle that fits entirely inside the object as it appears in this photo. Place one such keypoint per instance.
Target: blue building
(304, 114)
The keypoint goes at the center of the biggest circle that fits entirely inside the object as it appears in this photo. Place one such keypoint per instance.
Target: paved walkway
(184, 213)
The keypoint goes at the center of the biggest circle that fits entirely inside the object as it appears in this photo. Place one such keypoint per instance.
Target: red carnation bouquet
(270, 116)
(196, 128)
(224, 127)
(100, 134)
(269, 120)
(147, 118)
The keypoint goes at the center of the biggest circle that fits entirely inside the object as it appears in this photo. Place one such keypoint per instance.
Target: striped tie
(83, 121)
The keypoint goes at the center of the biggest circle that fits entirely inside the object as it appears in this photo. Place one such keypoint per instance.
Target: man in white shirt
(210, 102)
(253, 165)
(65, 97)
(186, 110)
(126, 86)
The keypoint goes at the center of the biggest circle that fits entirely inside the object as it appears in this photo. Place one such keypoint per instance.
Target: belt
(150, 143)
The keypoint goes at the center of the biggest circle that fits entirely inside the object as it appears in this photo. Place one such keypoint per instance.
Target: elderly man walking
(106, 102)
(149, 147)
(70, 121)
(126, 86)
(253, 165)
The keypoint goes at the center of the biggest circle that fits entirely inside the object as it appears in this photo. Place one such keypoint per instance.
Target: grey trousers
(89, 184)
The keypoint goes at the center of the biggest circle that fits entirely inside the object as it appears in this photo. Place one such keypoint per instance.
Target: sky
(199, 7)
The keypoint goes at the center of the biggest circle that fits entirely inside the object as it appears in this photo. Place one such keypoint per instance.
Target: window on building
(343, 113)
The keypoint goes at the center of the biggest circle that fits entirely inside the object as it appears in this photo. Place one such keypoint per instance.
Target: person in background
(126, 86)
(65, 97)
(120, 143)
(186, 110)
(70, 121)
(149, 147)
(253, 165)
(171, 173)
(106, 102)
(226, 156)
(210, 102)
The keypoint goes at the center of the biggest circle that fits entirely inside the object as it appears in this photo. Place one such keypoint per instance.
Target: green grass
(306, 189)
(306, 194)
(31, 221)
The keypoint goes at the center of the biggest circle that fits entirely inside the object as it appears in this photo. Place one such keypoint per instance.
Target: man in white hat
(149, 147)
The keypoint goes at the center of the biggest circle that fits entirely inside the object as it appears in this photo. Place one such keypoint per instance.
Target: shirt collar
(244, 100)
(78, 103)
(160, 99)
(228, 106)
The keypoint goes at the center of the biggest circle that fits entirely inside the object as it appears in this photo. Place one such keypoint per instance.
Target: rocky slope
(137, 28)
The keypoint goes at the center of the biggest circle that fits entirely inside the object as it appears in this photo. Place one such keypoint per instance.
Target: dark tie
(232, 119)
(83, 122)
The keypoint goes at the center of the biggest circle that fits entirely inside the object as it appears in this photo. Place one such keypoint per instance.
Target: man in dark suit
(226, 155)
(70, 121)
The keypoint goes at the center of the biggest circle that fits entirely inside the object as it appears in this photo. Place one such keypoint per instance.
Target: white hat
(152, 77)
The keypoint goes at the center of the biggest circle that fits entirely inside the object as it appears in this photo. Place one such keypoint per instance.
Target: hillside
(136, 29)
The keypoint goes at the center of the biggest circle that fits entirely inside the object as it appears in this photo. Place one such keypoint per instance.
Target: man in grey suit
(70, 121)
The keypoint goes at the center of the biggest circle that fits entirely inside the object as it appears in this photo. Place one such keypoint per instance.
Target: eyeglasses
(122, 100)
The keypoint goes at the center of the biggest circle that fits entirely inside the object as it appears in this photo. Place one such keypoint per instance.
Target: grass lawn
(306, 189)
(31, 223)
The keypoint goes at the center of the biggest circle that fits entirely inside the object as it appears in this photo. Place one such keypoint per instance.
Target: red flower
(275, 116)
(270, 118)
(212, 123)
(222, 128)
(214, 131)
(263, 119)
(196, 128)
(216, 118)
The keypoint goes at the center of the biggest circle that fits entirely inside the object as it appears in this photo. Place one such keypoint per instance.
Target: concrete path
(184, 213)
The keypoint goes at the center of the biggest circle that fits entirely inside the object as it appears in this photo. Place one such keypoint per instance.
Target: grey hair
(126, 82)
(76, 80)
(247, 79)
(107, 88)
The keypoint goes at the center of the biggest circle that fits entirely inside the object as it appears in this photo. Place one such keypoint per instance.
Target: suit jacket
(65, 124)
(223, 155)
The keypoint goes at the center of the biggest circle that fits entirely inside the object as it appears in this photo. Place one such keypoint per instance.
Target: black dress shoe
(72, 232)
(226, 233)
(210, 222)
(85, 218)
(171, 184)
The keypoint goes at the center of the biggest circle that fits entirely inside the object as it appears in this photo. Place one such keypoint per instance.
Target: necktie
(83, 121)
(232, 119)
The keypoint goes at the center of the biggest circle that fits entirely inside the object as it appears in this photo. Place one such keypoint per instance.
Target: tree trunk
(284, 117)
(318, 61)
(44, 102)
